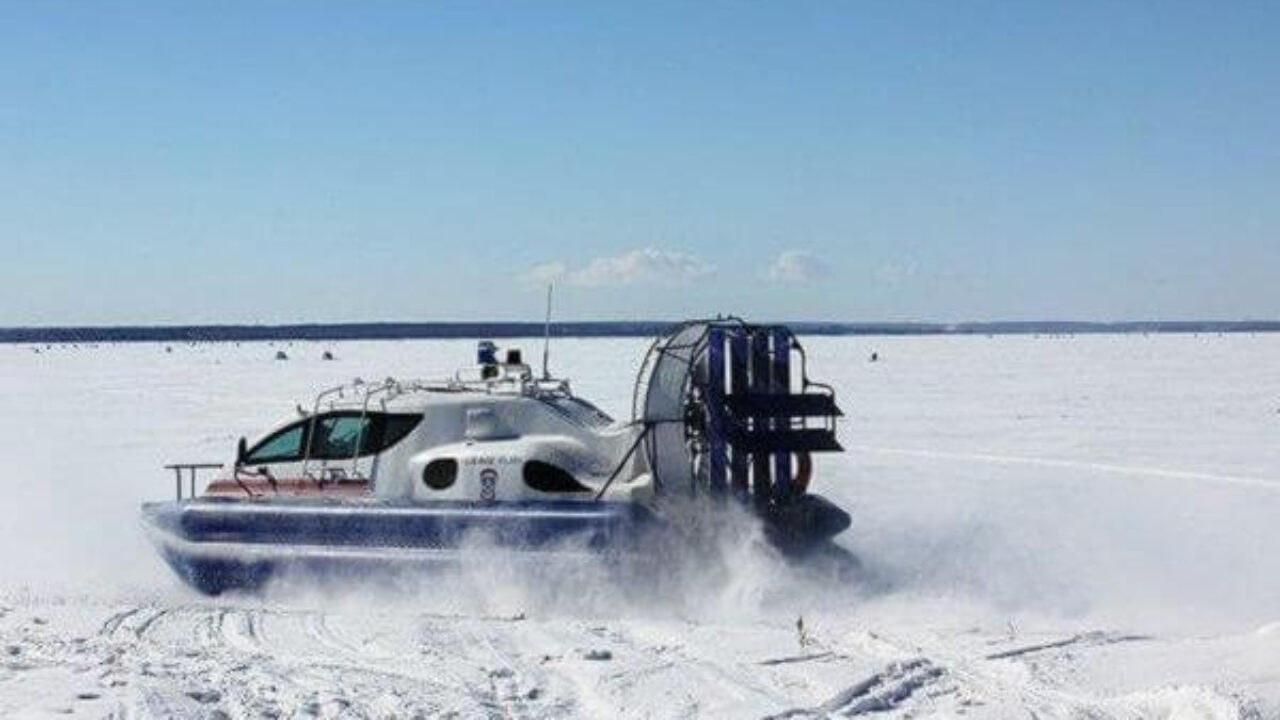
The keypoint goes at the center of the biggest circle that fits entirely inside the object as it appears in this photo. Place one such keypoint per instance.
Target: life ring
(804, 472)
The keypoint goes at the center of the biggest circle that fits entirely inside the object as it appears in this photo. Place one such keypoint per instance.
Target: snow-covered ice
(1051, 527)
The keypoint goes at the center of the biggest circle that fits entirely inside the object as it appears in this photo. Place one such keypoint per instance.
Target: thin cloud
(895, 273)
(644, 266)
(796, 266)
(540, 275)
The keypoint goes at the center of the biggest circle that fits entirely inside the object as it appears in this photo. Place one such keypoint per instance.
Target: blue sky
(289, 161)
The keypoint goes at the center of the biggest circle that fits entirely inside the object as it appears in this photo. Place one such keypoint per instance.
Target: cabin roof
(418, 396)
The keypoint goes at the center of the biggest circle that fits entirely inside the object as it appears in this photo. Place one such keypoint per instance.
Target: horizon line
(407, 330)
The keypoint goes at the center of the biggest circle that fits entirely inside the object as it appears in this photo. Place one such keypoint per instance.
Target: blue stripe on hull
(217, 545)
(441, 525)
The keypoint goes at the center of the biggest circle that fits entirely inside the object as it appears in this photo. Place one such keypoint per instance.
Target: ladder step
(806, 440)
(774, 405)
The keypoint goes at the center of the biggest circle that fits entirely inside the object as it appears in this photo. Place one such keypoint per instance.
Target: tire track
(884, 691)
(207, 631)
(140, 631)
(740, 681)
(317, 625)
(243, 634)
(232, 671)
(512, 686)
(1255, 483)
(136, 621)
(1088, 639)
(404, 676)
(975, 683)
(113, 623)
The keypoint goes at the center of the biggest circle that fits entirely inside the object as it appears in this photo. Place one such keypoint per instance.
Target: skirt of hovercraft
(805, 522)
(213, 568)
(219, 545)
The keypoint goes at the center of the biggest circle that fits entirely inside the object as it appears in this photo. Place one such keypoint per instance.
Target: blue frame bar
(781, 385)
(761, 382)
(715, 408)
(739, 460)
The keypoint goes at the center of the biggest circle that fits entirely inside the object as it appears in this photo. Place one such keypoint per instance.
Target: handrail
(389, 385)
(340, 390)
(177, 469)
(354, 395)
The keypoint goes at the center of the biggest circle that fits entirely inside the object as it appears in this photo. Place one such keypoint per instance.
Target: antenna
(546, 338)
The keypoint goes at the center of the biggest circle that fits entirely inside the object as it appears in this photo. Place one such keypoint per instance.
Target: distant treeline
(403, 331)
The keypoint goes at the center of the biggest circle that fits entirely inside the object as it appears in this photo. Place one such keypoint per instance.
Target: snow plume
(643, 266)
(708, 562)
(1059, 542)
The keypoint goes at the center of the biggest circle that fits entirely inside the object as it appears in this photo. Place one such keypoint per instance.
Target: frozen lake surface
(1053, 527)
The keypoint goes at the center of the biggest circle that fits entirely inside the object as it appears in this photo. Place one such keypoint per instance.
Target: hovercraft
(400, 473)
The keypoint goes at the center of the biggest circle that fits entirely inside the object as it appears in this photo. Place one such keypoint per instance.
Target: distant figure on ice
(281, 356)
(327, 355)
(875, 356)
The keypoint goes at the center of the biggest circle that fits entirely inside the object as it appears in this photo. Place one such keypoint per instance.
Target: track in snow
(215, 659)
(1112, 468)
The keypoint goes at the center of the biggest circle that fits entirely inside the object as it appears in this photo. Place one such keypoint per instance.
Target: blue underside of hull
(218, 545)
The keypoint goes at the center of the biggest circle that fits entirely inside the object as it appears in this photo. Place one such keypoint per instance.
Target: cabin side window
(396, 427)
(284, 446)
(336, 434)
(333, 436)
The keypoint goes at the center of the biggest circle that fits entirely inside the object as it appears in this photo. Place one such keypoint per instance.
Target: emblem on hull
(488, 485)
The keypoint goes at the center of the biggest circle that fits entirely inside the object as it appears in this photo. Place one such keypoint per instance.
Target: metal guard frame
(744, 422)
